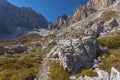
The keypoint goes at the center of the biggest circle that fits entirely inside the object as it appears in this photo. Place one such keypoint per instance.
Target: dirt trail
(44, 69)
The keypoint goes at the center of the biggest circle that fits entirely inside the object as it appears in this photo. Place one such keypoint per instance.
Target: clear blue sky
(50, 9)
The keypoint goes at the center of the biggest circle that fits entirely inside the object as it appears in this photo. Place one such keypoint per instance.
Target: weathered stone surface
(115, 75)
(94, 28)
(102, 75)
(91, 7)
(75, 55)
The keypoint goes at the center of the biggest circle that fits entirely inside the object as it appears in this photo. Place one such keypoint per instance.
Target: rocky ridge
(81, 13)
(107, 18)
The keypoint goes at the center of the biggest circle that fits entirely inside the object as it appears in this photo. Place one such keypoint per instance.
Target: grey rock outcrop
(75, 55)
(102, 75)
(94, 28)
(12, 49)
(15, 19)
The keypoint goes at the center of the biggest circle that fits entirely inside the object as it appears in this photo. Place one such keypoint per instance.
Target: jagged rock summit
(15, 21)
(91, 7)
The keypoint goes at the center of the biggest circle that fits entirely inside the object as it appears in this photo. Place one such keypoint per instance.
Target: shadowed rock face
(13, 18)
(74, 55)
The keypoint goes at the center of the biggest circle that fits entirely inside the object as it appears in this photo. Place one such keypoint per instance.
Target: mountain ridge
(81, 12)
(13, 19)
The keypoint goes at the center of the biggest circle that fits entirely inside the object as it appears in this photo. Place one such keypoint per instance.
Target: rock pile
(74, 55)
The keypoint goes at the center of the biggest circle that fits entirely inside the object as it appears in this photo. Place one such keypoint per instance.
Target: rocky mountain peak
(91, 7)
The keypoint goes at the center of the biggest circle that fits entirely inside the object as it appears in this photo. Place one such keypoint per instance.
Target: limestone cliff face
(91, 7)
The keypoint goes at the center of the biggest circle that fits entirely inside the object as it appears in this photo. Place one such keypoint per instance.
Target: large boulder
(74, 55)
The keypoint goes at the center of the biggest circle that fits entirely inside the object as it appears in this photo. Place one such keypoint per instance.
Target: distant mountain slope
(14, 19)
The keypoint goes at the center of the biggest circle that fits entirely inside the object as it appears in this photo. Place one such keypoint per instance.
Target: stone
(115, 74)
(94, 28)
(102, 75)
(113, 23)
(72, 78)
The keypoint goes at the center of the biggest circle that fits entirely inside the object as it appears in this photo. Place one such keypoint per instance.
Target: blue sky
(50, 9)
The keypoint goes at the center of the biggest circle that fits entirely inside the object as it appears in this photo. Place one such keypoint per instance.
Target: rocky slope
(81, 12)
(98, 18)
(16, 21)
(107, 18)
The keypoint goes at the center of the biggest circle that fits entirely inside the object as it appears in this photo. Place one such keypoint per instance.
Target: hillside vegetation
(21, 67)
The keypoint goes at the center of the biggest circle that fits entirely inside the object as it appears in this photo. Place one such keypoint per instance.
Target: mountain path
(44, 69)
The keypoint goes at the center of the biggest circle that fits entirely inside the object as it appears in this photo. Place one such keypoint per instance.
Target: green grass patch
(111, 42)
(89, 73)
(21, 67)
(111, 61)
(57, 72)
